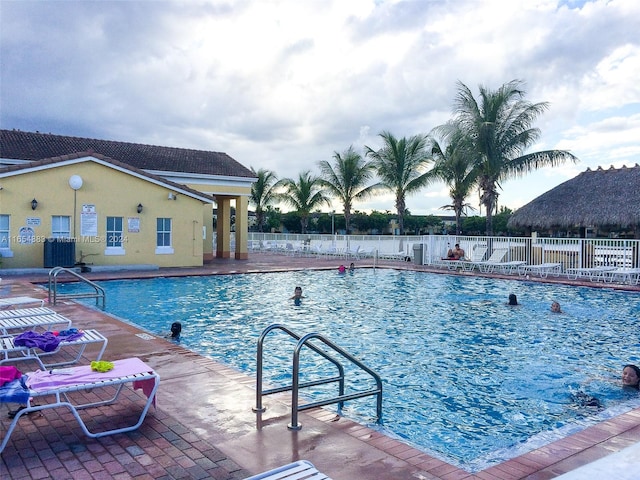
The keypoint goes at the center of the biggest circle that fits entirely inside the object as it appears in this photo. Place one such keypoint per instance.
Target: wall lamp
(139, 208)
(34, 204)
(172, 196)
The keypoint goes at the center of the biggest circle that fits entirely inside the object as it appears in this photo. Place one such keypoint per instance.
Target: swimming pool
(466, 378)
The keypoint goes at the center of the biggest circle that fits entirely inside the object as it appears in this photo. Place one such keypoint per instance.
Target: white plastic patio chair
(477, 254)
(10, 353)
(543, 269)
(45, 321)
(630, 276)
(9, 301)
(495, 259)
(300, 470)
(54, 389)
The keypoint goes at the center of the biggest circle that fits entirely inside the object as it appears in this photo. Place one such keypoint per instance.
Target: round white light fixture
(75, 182)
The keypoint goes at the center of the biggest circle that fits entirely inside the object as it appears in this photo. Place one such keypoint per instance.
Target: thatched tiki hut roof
(595, 197)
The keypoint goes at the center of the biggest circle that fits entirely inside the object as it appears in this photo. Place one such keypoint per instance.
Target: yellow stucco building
(84, 201)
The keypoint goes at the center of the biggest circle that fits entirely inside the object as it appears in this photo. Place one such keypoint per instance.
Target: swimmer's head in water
(176, 329)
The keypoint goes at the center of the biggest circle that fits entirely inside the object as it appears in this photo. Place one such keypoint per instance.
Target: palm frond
(499, 126)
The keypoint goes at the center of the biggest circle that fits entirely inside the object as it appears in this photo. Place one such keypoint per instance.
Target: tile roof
(19, 145)
(64, 158)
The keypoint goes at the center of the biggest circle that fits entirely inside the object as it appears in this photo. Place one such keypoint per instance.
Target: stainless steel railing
(96, 291)
(296, 385)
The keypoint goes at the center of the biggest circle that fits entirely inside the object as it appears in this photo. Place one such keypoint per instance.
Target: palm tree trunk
(400, 207)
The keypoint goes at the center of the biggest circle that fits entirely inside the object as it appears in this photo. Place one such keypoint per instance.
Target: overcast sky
(283, 84)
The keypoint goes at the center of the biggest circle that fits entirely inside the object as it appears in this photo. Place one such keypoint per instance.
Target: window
(163, 236)
(60, 226)
(164, 232)
(114, 232)
(115, 237)
(4, 231)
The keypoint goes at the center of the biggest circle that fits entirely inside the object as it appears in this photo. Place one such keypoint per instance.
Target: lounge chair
(9, 301)
(9, 352)
(294, 249)
(45, 321)
(510, 267)
(300, 470)
(53, 389)
(268, 247)
(494, 263)
(543, 269)
(333, 251)
(25, 312)
(627, 275)
(448, 263)
(490, 264)
(592, 273)
(477, 255)
(368, 253)
(400, 255)
(354, 253)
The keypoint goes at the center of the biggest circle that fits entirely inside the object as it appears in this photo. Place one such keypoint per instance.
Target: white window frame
(111, 235)
(5, 248)
(161, 230)
(60, 233)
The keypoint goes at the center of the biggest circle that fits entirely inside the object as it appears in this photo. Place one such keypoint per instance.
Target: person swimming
(631, 376)
(583, 399)
(297, 293)
(297, 296)
(176, 330)
(513, 300)
(630, 379)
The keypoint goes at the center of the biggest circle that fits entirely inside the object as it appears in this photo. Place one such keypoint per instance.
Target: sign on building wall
(88, 221)
(133, 224)
(26, 236)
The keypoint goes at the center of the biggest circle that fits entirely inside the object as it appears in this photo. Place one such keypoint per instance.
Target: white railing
(571, 253)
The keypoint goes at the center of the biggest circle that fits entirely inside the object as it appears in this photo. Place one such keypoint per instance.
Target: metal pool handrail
(296, 385)
(98, 293)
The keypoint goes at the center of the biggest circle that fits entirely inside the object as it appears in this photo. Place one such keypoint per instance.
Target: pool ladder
(98, 292)
(296, 385)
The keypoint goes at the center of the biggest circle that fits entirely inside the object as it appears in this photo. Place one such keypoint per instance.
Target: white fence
(575, 253)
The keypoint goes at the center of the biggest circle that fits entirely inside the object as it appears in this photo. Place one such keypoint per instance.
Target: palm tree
(500, 127)
(346, 179)
(305, 195)
(454, 166)
(263, 193)
(400, 164)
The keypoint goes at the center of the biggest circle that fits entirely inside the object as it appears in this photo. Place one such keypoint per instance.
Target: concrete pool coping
(208, 407)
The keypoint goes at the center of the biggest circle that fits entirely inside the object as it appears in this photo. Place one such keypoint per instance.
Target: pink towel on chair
(83, 375)
(8, 374)
(146, 386)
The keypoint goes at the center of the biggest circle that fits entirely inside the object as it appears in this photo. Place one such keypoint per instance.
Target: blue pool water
(466, 377)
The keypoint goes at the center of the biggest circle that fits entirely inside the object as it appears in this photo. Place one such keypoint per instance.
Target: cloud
(281, 84)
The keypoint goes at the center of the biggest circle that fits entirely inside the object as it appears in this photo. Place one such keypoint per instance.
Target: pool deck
(203, 426)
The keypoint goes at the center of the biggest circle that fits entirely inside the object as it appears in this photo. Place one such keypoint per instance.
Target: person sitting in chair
(456, 253)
